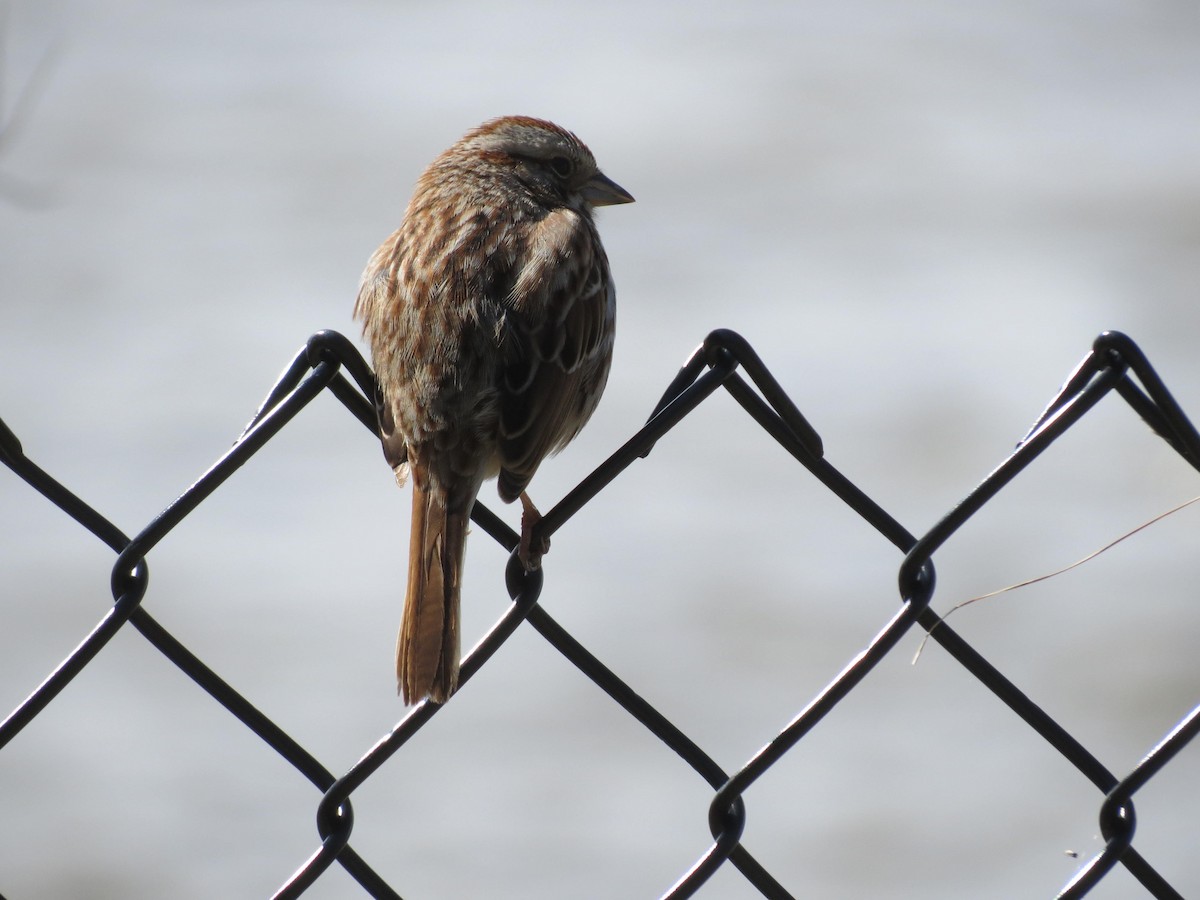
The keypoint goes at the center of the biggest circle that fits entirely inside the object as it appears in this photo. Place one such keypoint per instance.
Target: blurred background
(919, 214)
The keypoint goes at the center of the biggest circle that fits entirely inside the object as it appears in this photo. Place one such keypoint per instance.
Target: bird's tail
(428, 647)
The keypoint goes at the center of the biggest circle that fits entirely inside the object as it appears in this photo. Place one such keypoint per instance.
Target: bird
(490, 314)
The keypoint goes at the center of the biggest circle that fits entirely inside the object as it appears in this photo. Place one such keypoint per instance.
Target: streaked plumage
(490, 314)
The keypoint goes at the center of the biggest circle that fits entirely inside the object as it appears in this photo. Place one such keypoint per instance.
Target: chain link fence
(725, 360)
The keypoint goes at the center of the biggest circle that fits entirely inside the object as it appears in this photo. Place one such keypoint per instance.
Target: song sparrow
(490, 314)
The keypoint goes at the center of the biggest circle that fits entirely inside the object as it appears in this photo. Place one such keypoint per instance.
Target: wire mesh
(330, 362)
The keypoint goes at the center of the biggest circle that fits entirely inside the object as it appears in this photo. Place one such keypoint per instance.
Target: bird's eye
(562, 166)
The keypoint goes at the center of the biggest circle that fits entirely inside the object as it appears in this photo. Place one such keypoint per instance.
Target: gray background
(919, 214)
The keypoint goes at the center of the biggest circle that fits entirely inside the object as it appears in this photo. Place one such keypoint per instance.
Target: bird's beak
(600, 190)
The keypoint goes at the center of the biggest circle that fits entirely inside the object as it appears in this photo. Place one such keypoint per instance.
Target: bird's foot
(530, 551)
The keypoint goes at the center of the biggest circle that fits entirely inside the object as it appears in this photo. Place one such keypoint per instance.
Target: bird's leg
(530, 555)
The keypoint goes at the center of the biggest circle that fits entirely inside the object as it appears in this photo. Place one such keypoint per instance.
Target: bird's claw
(530, 552)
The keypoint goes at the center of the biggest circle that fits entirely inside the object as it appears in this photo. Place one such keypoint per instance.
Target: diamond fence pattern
(330, 362)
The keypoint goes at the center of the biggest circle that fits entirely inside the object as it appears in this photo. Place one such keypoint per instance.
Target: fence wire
(724, 360)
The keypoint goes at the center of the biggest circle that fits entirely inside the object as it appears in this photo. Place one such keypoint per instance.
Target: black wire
(1114, 365)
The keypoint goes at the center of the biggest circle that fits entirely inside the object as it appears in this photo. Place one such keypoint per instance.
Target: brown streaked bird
(490, 314)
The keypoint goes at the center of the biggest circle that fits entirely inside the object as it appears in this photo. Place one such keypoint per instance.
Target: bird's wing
(556, 344)
(376, 303)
